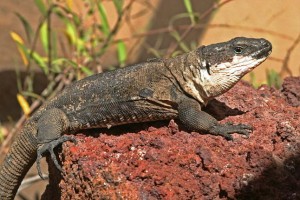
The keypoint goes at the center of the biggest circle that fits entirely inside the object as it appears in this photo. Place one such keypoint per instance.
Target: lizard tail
(18, 161)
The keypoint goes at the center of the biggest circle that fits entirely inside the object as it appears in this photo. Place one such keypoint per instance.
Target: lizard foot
(48, 147)
(226, 129)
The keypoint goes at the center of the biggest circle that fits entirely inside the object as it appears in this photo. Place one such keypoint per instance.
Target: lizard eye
(238, 50)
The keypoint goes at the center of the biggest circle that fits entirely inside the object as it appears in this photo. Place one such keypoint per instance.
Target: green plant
(253, 80)
(73, 50)
(273, 78)
(1, 134)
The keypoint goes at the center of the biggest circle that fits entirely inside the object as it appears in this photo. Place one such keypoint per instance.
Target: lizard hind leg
(50, 129)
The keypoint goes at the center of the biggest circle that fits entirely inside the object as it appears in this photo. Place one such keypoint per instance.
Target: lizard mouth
(263, 52)
(257, 61)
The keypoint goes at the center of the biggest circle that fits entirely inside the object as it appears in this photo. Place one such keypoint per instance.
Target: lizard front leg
(191, 115)
(51, 126)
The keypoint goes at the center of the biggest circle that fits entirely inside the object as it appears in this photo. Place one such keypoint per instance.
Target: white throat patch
(240, 65)
(204, 84)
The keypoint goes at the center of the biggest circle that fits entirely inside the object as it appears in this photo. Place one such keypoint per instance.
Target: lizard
(159, 89)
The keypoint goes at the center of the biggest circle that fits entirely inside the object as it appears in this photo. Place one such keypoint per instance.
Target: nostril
(265, 43)
(268, 44)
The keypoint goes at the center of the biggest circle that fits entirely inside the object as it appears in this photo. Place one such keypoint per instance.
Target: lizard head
(222, 65)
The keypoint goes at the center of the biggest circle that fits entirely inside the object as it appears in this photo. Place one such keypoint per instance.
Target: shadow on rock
(281, 180)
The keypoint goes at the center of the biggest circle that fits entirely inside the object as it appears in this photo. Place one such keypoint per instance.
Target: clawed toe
(49, 147)
(245, 126)
(227, 136)
(244, 129)
(226, 129)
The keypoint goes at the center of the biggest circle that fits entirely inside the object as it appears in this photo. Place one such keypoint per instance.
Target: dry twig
(285, 67)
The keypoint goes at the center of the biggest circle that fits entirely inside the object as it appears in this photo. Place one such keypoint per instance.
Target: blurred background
(46, 44)
(40, 39)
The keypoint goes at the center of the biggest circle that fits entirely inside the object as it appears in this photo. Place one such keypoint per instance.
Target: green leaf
(176, 53)
(57, 65)
(119, 5)
(76, 19)
(122, 53)
(44, 36)
(39, 60)
(21, 48)
(70, 62)
(253, 80)
(103, 17)
(27, 27)
(54, 44)
(33, 95)
(155, 52)
(24, 54)
(177, 37)
(193, 44)
(81, 45)
(41, 6)
(86, 70)
(23, 104)
(71, 32)
(1, 133)
(58, 62)
(59, 13)
(73, 64)
(189, 8)
(273, 78)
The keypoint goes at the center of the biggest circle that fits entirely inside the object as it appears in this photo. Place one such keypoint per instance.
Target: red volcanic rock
(161, 161)
(291, 90)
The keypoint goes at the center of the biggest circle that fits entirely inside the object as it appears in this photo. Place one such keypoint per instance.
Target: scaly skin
(150, 91)
(18, 161)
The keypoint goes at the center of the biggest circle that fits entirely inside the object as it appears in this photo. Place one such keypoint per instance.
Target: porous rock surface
(165, 161)
(291, 90)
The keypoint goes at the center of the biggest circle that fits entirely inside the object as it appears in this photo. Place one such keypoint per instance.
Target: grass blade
(177, 37)
(21, 48)
(273, 78)
(44, 36)
(39, 60)
(1, 133)
(27, 27)
(71, 33)
(122, 54)
(86, 70)
(189, 9)
(24, 104)
(103, 17)
(41, 6)
(119, 5)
